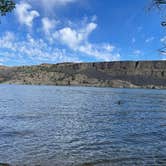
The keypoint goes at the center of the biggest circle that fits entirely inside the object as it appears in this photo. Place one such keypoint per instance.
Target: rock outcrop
(124, 74)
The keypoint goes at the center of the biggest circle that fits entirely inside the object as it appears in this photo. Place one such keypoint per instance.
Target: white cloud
(57, 2)
(36, 50)
(90, 28)
(2, 60)
(94, 18)
(150, 39)
(77, 40)
(108, 47)
(25, 13)
(72, 37)
(49, 5)
(163, 49)
(99, 52)
(163, 40)
(48, 24)
(133, 40)
(69, 37)
(137, 52)
(7, 41)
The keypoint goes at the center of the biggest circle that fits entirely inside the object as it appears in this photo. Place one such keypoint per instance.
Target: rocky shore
(122, 74)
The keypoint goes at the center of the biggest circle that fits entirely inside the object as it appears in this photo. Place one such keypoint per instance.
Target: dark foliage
(6, 6)
(161, 4)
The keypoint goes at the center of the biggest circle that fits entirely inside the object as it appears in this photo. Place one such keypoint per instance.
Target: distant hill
(125, 74)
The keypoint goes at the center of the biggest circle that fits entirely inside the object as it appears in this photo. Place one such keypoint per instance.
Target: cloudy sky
(53, 31)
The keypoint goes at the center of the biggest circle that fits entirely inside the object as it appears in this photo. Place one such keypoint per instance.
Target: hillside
(128, 74)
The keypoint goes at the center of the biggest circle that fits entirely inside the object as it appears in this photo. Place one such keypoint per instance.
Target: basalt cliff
(124, 74)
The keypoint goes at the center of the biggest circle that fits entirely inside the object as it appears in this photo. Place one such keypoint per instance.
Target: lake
(56, 125)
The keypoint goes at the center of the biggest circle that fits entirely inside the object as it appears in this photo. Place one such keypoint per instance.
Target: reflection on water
(46, 125)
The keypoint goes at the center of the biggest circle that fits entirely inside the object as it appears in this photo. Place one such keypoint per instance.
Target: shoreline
(88, 86)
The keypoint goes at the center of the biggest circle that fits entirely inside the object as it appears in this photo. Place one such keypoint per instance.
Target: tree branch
(6, 6)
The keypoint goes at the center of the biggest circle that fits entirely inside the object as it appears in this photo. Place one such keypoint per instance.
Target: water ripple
(70, 126)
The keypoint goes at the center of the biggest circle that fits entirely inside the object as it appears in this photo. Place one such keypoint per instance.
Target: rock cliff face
(128, 74)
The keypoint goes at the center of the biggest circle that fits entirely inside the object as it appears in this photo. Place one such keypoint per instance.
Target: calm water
(49, 126)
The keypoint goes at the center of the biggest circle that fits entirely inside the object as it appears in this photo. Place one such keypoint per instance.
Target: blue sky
(54, 31)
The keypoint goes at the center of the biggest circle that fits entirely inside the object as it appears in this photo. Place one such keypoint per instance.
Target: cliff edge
(122, 74)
